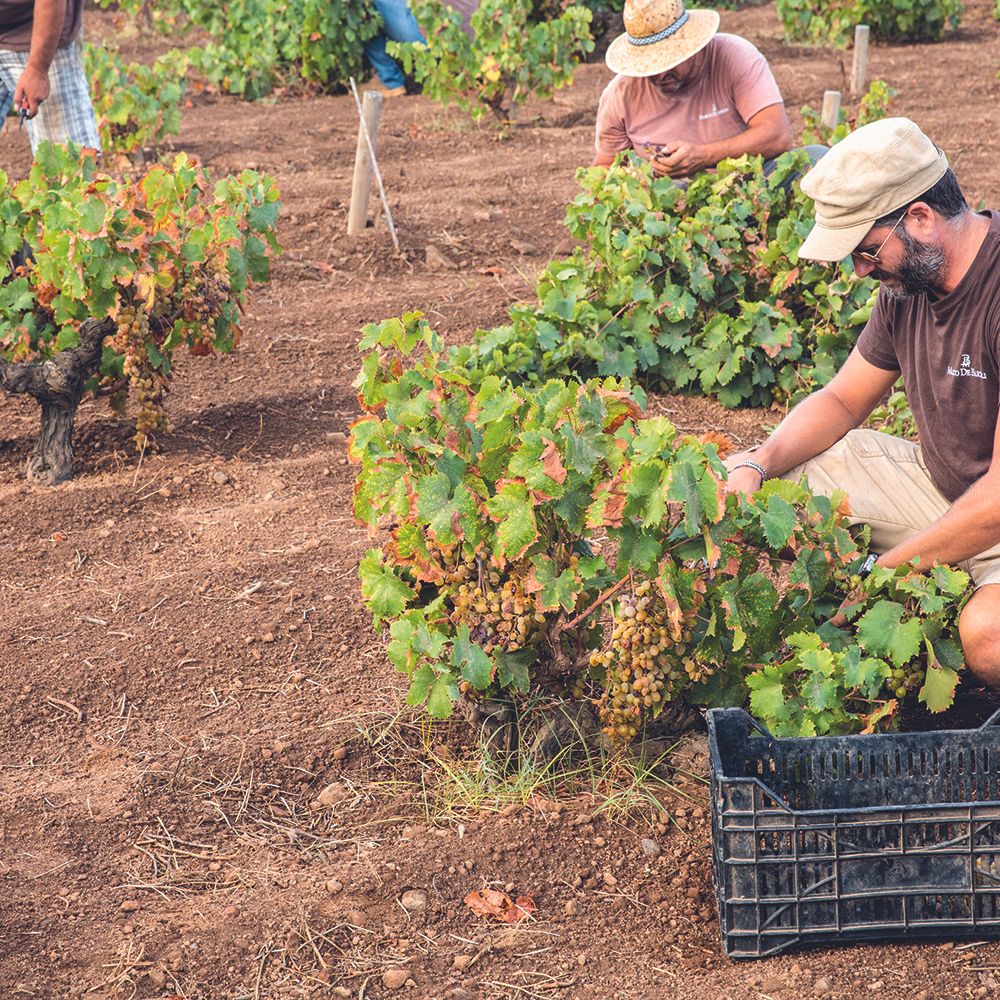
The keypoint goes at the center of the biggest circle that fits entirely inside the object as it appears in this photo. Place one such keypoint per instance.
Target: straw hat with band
(876, 170)
(659, 35)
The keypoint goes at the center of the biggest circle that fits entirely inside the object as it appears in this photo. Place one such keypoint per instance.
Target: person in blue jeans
(399, 25)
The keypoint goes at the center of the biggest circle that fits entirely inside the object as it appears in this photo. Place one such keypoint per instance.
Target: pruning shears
(23, 113)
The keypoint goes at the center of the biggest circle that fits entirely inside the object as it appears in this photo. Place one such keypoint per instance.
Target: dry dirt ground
(187, 664)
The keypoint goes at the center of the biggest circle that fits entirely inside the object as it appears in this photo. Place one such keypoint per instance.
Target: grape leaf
(938, 690)
(471, 660)
(512, 669)
(751, 605)
(442, 697)
(882, 632)
(385, 594)
(767, 694)
(420, 685)
(865, 673)
(646, 500)
(554, 589)
(778, 521)
(517, 529)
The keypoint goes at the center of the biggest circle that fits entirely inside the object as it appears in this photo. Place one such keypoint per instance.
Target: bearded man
(685, 96)
(886, 196)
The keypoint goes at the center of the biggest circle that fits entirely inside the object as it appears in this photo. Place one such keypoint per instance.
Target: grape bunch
(148, 384)
(201, 296)
(908, 678)
(645, 666)
(500, 614)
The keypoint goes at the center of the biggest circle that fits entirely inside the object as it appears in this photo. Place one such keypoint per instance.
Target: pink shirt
(734, 84)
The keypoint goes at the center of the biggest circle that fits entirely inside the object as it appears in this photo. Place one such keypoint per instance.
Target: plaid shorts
(67, 115)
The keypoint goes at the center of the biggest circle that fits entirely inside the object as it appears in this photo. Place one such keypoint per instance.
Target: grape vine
(254, 46)
(552, 537)
(502, 61)
(137, 106)
(165, 261)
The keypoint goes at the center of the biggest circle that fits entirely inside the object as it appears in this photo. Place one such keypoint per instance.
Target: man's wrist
(756, 466)
(37, 64)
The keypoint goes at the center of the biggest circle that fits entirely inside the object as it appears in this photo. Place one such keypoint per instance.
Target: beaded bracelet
(756, 466)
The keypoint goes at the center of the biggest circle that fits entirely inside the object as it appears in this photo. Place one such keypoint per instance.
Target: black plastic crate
(853, 838)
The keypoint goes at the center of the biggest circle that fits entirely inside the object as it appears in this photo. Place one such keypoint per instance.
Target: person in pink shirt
(685, 96)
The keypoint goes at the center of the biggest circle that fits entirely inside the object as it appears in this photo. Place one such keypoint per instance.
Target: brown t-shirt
(948, 351)
(733, 85)
(17, 17)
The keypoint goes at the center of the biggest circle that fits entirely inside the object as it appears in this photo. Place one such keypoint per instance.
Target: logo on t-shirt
(714, 113)
(965, 370)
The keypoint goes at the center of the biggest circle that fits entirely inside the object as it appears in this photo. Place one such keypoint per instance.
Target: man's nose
(862, 267)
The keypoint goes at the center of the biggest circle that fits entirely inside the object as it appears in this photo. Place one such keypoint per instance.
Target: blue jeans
(399, 25)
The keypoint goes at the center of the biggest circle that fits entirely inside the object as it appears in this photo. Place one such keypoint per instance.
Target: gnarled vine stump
(58, 384)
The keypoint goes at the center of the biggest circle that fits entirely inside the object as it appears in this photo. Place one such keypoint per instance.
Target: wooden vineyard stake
(361, 186)
(859, 70)
(366, 164)
(830, 115)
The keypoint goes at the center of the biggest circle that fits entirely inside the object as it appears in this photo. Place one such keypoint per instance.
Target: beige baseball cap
(873, 171)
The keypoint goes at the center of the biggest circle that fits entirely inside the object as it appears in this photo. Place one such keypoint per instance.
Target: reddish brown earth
(187, 664)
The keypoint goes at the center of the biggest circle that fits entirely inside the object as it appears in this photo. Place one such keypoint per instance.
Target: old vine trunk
(58, 384)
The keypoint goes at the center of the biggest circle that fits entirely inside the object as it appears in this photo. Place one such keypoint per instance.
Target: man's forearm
(45, 31)
(970, 526)
(814, 425)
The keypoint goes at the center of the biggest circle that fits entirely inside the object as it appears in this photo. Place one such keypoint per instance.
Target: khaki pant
(888, 488)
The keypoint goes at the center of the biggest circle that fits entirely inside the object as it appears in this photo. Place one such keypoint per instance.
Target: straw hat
(659, 35)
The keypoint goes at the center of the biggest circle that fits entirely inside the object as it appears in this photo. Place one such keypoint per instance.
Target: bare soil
(187, 664)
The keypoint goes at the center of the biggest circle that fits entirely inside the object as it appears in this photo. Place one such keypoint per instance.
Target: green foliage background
(256, 45)
(504, 61)
(832, 22)
(136, 105)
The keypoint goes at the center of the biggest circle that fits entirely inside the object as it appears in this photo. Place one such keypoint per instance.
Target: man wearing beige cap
(886, 196)
(685, 96)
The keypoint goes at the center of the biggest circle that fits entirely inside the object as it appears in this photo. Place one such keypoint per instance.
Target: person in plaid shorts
(41, 71)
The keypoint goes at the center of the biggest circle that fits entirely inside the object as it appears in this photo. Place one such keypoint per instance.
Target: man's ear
(921, 220)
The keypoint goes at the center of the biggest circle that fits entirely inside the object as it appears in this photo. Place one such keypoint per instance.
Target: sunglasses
(873, 258)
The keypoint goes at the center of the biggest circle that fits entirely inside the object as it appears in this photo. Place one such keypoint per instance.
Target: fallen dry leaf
(723, 444)
(496, 904)
(58, 536)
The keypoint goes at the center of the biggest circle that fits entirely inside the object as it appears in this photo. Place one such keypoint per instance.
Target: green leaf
(882, 632)
(938, 690)
(646, 500)
(442, 697)
(778, 521)
(471, 660)
(517, 529)
(752, 606)
(384, 593)
(512, 669)
(865, 673)
(767, 694)
(554, 589)
(420, 685)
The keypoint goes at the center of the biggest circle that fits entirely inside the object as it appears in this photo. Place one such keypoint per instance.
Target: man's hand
(32, 88)
(681, 159)
(746, 480)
